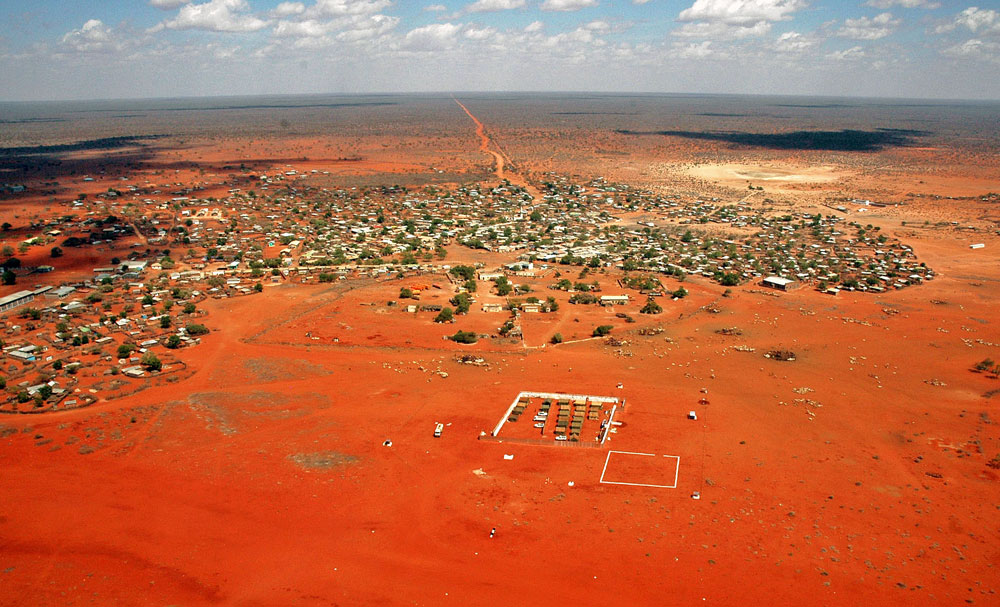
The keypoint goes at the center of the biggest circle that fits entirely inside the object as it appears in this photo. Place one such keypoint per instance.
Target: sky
(112, 49)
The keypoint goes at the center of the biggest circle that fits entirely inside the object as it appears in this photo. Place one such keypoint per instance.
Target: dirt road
(501, 159)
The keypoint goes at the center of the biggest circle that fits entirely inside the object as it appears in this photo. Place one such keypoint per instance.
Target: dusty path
(501, 159)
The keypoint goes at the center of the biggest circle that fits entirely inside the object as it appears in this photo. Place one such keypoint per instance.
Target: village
(124, 325)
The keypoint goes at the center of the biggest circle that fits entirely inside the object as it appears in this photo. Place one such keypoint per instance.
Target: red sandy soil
(854, 474)
(190, 495)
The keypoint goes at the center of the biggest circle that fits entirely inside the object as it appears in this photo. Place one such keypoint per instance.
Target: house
(532, 308)
(782, 284)
(610, 300)
(135, 266)
(60, 292)
(492, 307)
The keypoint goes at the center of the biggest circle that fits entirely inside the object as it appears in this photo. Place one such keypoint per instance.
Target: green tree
(56, 252)
(503, 286)
(445, 315)
(165, 322)
(173, 342)
(651, 307)
(730, 279)
(125, 350)
(556, 339)
(9, 278)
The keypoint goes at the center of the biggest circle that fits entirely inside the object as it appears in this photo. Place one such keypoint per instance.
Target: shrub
(405, 293)
(57, 365)
(165, 322)
(680, 293)
(151, 361)
(125, 350)
(189, 308)
(196, 329)
(984, 365)
(556, 339)
(602, 330)
(464, 337)
(173, 342)
(582, 298)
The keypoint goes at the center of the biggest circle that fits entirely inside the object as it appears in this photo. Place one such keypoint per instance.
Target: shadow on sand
(847, 140)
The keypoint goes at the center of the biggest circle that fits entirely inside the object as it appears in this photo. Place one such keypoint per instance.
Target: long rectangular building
(16, 299)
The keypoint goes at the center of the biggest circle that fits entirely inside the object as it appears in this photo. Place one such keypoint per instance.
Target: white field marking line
(677, 470)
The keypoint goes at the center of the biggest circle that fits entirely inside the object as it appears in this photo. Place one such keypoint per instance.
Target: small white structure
(692, 415)
(978, 245)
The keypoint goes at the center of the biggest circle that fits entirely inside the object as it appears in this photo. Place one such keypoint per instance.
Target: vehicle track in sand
(501, 158)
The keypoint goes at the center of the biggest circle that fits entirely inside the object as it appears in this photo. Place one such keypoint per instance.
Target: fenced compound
(570, 412)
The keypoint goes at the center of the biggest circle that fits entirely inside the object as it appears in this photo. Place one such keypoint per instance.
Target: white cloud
(327, 22)
(976, 20)
(884, 4)
(694, 50)
(975, 49)
(489, 6)
(373, 26)
(639, 1)
(434, 37)
(794, 42)
(215, 16)
(741, 12)
(851, 54)
(288, 9)
(436, 8)
(479, 33)
(864, 28)
(93, 37)
(167, 4)
(534, 26)
(719, 30)
(567, 5)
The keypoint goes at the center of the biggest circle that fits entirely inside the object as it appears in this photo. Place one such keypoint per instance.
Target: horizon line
(503, 92)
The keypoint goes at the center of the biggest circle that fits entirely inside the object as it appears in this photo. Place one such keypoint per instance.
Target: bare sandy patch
(744, 172)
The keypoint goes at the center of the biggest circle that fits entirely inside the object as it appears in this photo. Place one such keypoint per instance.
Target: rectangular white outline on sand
(677, 470)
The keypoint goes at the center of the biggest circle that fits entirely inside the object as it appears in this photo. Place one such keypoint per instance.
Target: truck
(438, 429)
